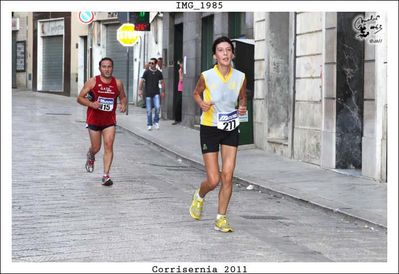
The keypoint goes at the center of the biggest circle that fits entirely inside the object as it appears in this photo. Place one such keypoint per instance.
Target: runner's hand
(122, 108)
(205, 106)
(95, 105)
(242, 110)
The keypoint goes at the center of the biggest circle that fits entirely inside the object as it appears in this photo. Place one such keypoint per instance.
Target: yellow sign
(126, 35)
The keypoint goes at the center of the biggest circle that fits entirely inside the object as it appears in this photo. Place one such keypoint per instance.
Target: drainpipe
(90, 46)
(138, 69)
(293, 56)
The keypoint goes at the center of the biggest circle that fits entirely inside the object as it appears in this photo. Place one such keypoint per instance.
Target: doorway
(178, 55)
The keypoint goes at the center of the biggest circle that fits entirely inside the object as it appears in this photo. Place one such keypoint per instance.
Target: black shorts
(98, 128)
(212, 137)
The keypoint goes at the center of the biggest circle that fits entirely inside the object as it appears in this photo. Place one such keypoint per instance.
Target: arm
(141, 87)
(82, 95)
(122, 96)
(242, 104)
(199, 89)
(163, 88)
(163, 84)
(181, 74)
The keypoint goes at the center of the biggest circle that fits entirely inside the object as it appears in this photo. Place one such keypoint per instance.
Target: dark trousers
(178, 107)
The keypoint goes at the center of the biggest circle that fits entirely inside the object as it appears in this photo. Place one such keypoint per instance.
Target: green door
(206, 44)
(244, 62)
(234, 24)
(246, 128)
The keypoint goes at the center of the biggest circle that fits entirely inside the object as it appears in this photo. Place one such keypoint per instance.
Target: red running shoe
(106, 181)
(90, 162)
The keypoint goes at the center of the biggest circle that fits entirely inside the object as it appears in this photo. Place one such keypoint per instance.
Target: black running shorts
(98, 128)
(212, 137)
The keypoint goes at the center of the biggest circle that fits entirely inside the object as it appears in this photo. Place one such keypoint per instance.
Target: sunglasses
(151, 63)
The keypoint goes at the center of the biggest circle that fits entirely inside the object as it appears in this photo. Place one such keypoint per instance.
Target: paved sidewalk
(354, 197)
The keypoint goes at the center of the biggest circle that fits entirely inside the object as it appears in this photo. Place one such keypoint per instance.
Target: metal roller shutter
(53, 63)
(14, 59)
(117, 53)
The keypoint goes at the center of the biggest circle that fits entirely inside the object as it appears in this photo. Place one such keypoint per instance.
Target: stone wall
(308, 107)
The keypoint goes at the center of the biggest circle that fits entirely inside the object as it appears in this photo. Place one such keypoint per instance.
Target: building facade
(21, 50)
(317, 81)
(320, 91)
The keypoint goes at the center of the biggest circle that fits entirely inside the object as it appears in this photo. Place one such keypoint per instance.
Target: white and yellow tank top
(223, 92)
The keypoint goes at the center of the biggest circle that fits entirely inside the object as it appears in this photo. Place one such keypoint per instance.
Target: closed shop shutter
(14, 59)
(117, 53)
(53, 63)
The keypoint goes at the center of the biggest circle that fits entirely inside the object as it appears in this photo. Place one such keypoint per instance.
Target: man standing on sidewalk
(152, 77)
(159, 64)
(146, 66)
(100, 94)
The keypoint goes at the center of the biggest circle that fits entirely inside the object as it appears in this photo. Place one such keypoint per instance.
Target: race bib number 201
(228, 121)
(107, 104)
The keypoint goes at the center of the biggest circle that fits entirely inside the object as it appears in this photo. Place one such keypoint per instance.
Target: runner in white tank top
(220, 86)
(222, 91)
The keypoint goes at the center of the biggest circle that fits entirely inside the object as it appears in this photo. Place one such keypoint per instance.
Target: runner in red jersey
(100, 95)
(105, 94)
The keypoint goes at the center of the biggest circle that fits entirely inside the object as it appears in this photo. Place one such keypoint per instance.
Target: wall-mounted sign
(15, 23)
(21, 55)
(86, 17)
(141, 20)
(52, 28)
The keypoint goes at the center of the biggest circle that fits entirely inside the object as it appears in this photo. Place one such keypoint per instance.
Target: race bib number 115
(107, 104)
(228, 121)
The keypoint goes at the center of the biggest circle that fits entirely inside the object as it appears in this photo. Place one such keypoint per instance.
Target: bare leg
(229, 154)
(95, 141)
(212, 172)
(109, 137)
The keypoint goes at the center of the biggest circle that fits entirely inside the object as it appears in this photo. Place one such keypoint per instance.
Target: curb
(268, 190)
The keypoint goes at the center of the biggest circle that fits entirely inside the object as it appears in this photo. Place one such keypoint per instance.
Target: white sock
(198, 196)
(220, 216)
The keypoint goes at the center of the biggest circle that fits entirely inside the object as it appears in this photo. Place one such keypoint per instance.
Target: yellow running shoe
(196, 206)
(222, 224)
